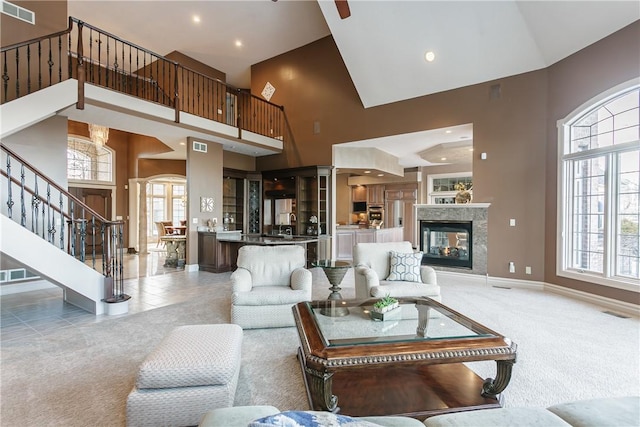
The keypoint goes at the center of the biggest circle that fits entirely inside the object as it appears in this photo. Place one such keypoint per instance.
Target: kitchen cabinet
(213, 256)
(347, 237)
(359, 193)
(399, 210)
(375, 194)
(406, 194)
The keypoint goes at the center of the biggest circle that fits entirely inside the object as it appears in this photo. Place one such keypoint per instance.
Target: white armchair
(372, 263)
(269, 280)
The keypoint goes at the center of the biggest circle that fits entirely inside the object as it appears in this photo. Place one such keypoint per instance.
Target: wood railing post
(81, 69)
(176, 95)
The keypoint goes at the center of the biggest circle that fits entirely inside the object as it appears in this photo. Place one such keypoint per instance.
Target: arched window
(600, 197)
(87, 161)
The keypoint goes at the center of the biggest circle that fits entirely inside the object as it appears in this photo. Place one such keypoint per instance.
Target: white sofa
(603, 412)
(268, 281)
(372, 267)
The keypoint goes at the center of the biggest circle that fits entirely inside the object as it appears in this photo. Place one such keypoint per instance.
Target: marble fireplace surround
(478, 214)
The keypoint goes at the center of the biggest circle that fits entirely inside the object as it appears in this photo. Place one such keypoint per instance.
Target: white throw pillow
(405, 267)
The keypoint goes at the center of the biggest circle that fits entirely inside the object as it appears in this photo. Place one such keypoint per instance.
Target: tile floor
(41, 312)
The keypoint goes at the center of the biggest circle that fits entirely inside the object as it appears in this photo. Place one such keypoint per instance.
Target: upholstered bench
(194, 369)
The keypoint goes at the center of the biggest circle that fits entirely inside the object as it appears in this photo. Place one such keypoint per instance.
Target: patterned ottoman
(193, 370)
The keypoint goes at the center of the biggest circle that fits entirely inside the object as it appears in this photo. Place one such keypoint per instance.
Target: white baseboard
(16, 288)
(621, 307)
(610, 303)
(494, 281)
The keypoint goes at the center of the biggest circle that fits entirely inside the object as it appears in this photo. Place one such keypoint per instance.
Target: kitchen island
(348, 235)
(218, 251)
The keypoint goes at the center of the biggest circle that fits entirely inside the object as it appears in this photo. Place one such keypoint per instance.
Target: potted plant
(385, 304)
(383, 308)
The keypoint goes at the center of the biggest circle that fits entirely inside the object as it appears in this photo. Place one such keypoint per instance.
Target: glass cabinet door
(233, 203)
(254, 193)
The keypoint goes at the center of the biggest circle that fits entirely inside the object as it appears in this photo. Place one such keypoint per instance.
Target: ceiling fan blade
(343, 8)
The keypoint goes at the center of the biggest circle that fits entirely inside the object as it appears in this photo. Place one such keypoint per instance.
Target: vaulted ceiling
(383, 43)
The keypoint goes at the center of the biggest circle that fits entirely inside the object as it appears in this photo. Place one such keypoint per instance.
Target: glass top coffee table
(410, 364)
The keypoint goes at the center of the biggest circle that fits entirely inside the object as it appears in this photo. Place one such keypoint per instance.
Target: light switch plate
(512, 222)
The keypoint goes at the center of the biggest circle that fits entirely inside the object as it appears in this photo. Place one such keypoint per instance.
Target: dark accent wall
(51, 17)
(153, 167)
(196, 65)
(516, 130)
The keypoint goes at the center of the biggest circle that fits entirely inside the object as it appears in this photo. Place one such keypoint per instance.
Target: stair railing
(94, 56)
(61, 219)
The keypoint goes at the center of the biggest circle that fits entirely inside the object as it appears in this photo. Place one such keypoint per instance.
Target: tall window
(166, 201)
(600, 195)
(88, 162)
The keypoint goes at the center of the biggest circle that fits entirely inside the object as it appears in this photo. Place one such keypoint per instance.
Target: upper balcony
(92, 76)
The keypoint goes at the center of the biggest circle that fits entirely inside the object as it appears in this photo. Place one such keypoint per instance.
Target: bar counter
(218, 251)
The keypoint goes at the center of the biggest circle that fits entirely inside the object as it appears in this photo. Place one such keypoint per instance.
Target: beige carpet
(81, 376)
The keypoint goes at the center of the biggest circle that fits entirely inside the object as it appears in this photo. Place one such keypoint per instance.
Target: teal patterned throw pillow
(405, 266)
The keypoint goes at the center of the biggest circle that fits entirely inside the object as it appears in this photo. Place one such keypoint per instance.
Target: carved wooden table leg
(491, 387)
(320, 387)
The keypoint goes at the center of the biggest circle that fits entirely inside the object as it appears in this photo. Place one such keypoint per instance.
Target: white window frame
(168, 197)
(431, 195)
(564, 210)
(85, 182)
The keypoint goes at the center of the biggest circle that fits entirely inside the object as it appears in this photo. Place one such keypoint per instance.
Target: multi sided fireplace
(446, 243)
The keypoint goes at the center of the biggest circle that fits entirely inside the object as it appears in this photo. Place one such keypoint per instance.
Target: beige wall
(343, 199)
(238, 161)
(517, 131)
(44, 146)
(204, 171)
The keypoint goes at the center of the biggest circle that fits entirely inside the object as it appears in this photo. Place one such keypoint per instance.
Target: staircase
(58, 237)
(44, 227)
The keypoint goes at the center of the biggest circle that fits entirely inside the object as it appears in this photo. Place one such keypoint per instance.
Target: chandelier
(98, 134)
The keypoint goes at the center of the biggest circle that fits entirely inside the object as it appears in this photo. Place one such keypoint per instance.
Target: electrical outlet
(512, 267)
(527, 270)
(512, 222)
(194, 220)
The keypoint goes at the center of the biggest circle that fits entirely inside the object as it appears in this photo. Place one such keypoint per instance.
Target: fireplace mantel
(477, 213)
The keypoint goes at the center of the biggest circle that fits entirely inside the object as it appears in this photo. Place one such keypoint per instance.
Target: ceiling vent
(18, 12)
(200, 147)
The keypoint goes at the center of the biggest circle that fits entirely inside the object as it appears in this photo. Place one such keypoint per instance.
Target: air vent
(611, 313)
(18, 12)
(200, 147)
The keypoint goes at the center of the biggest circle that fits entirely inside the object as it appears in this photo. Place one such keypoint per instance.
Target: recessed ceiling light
(443, 158)
(238, 43)
(380, 174)
(182, 143)
(471, 149)
(448, 131)
(430, 56)
(367, 171)
(196, 19)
